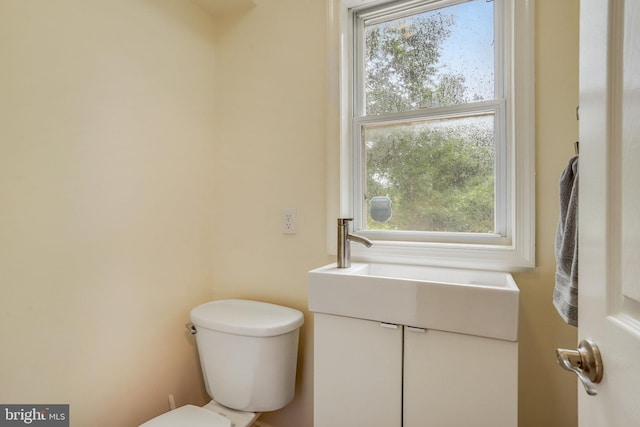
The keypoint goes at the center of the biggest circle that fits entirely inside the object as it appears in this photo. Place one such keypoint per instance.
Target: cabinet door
(357, 373)
(453, 380)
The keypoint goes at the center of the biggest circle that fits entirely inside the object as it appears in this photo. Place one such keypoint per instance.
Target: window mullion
(436, 113)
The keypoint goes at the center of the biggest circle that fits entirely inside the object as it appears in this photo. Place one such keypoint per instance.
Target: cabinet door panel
(357, 373)
(454, 380)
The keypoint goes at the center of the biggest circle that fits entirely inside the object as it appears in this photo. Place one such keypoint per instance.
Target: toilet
(248, 354)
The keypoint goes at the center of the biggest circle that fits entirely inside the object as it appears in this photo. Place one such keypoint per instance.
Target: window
(437, 139)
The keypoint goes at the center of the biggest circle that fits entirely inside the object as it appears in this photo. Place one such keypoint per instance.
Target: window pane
(431, 59)
(438, 174)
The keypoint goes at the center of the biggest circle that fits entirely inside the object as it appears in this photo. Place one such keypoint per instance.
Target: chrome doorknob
(585, 362)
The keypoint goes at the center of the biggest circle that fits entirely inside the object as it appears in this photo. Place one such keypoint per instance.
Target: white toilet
(248, 353)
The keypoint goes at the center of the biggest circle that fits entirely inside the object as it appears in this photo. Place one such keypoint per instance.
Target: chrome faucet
(344, 238)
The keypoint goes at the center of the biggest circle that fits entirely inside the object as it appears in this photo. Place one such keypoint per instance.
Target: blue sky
(469, 48)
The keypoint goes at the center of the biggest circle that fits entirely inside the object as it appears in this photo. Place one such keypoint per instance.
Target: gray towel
(565, 294)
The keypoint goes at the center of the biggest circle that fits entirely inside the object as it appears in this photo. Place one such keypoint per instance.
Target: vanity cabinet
(357, 373)
(374, 374)
(454, 380)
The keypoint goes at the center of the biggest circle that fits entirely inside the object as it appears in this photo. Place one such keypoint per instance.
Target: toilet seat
(189, 416)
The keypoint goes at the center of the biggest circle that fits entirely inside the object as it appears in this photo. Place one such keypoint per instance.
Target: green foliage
(437, 181)
(401, 58)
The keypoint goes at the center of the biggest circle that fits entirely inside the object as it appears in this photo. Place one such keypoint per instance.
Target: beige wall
(548, 395)
(138, 178)
(106, 212)
(270, 154)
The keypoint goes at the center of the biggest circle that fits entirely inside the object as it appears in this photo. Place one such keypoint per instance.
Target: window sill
(480, 257)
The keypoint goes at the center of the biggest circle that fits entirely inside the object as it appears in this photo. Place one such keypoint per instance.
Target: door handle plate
(585, 362)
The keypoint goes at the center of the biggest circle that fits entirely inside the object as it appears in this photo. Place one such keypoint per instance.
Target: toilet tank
(248, 352)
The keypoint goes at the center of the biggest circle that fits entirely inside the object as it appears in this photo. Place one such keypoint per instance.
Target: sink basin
(474, 302)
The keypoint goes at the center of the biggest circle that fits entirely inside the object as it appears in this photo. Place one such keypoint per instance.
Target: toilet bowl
(189, 416)
(248, 355)
(210, 415)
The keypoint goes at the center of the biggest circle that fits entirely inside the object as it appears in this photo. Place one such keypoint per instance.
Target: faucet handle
(344, 221)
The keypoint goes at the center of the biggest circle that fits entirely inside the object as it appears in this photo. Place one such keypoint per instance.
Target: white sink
(474, 302)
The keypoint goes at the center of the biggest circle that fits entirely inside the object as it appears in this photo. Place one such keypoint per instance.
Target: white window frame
(513, 247)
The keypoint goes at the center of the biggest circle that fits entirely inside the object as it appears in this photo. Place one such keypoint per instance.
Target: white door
(609, 265)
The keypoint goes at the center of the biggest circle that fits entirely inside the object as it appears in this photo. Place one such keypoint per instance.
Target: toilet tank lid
(246, 317)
